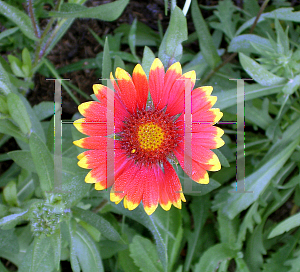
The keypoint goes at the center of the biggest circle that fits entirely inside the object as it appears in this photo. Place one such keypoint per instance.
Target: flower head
(148, 136)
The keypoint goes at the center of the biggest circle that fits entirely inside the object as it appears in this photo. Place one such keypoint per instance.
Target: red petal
(174, 72)
(90, 127)
(127, 91)
(141, 84)
(151, 190)
(173, 186)
(177, 98)
(198, 173)
(156, 82)
(101, 92)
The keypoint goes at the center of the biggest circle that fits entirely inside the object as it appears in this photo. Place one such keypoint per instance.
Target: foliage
(43, 223)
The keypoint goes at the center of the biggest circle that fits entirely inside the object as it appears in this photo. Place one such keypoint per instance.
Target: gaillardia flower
(149, 136)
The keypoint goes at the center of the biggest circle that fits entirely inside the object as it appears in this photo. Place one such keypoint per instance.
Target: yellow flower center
(150, 136)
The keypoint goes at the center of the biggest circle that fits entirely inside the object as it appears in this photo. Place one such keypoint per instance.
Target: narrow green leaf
(26, 57)
(107, 12)
(87, 252)
(10, 193)
(20, 18)
(55, 240)
(286, 225)
(18, 112)
(144, 254)
(228, 98)
(9, 241)
(205, 40)
(98, 222)
(118, 63)
(12, 220)
(44, 110)
(285, 14)
(73, 256)
(43, 162)
(7, 127)
(36, 126)
(132, 38)
(42, 255)
(258, 72)
(170, 49)
(224, 162)
(140, 216)
(8, 32)
(243, 43)
(148, 58)
(106, 62)
(199, 208)
(212, 257)
(5, 84)
(126, 262)
(292, 85)
(257, 182)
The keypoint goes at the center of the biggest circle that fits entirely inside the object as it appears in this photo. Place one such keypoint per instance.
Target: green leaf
(170, 50)
(169, 224)
(148, 58)
(38, 257)
(43, 162)
(243, 43)
(55, 240)
(73, 256)
(87, 251)
(140, 216)
(7, 127)
(118, 63)
(212, 257)
(258, 72)
(207, 47)
(24, 159)
(228, 229)
(5, 85)
(8, 32)
(98, 222)
(257, 182)
(132, 38)
(292, 85)
(286, 225)
(9, 241)
(107, 12)
(144, 254)
(224, 162)
(106, 62)
(228, 98)
(44, 110)
(10, 193)
(126, 262)
(12, 220)
(224, 12)
(18, 112)
(21, 19)
(3, 105)
(285, 14)
(36, 126)
(199, 207)
(26, 57)
(73, 184)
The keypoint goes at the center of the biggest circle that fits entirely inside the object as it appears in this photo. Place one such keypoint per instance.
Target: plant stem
(36, 28)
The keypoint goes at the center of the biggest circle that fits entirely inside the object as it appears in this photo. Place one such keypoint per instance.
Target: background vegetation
(78, 228)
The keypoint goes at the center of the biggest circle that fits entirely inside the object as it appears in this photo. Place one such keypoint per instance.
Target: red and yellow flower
(149, 136)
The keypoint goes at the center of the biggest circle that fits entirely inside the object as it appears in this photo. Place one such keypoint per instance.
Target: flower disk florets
(149, 136)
